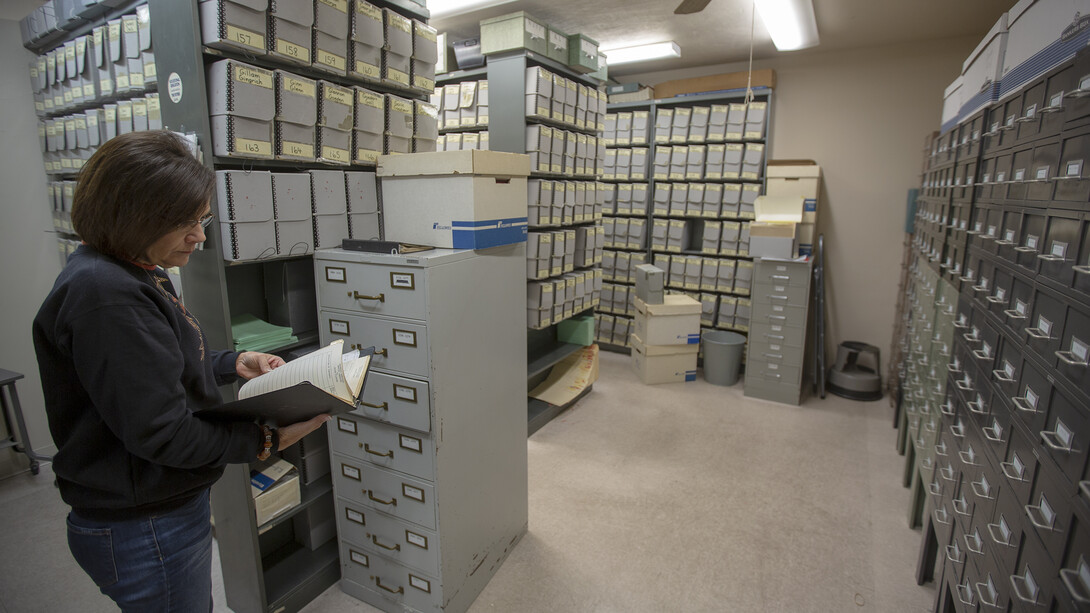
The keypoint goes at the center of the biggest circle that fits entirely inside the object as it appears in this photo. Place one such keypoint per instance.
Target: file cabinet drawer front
(399, 495)
(1075, 350)
(1067, 435)
(381, 534)
(781, 293)
(384, 445)
(1019, 467)
(406, 344)
(782, 273)
(397, 400)
(1046, 326)
(774, 372)
(395, 291)
(380, 582)
(776, 353)
(793, 336)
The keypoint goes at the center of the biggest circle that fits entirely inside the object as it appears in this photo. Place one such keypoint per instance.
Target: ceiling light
(450, 8)
(639, 53)
(790, 22)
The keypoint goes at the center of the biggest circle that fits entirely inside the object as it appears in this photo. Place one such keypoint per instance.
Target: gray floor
(682, 497)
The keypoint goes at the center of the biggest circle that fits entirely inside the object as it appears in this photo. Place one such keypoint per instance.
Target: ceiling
(721, 33)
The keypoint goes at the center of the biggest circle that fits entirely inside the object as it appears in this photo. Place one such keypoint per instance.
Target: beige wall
(29, 260)
(862, 115)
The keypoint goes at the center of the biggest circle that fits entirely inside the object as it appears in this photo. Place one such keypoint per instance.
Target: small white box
(274, 485)
(674, 322)
(245, 201)
(237, 88)
(664, 363)
(228, 25)
(455, 199)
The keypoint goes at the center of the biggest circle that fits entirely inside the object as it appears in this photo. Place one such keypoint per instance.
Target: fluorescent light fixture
(639, 53)
(450, 8)
(790, 22)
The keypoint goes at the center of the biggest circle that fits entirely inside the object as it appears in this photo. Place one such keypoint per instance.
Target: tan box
(731, 80)
(664, 363)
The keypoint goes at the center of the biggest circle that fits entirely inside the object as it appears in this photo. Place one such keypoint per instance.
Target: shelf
(616, 281)
(628, 249)
(540, 60)
(548, 121)
(537, 174)
(701, 217)
(549, 359)
(738, 181)
(104, 15)
(274, 63)
(686, 99)
(540, 413)
(462, 129)
(615, 348)
(457, 76)
(700, 253)
(634, 104)
(252, 164)
(294, 568)
(149, 88)
(415, 10)
(309, 494)
(625, 215)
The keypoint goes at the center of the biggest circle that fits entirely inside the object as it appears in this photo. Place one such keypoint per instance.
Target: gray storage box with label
(514, 31)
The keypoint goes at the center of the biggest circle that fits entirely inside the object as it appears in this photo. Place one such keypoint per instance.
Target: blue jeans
(156, 564)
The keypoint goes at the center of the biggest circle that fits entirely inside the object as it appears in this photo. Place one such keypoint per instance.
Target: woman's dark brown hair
(137, 188)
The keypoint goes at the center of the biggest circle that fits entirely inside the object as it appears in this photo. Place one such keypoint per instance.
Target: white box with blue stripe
(674, 322)
(455, 199)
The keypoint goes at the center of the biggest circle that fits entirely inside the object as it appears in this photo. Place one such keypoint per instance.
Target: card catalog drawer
(399, 346)
(396, 400)
(379, 581)
(384, 445)
(406, 497)
(380, 290)
(377, 533)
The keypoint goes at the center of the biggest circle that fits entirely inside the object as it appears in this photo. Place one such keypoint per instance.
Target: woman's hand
(250, 364)
(289, 435)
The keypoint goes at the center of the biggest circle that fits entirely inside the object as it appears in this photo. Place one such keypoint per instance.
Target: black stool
(9, 401)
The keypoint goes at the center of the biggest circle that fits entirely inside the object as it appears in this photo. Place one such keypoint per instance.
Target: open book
(323, 381)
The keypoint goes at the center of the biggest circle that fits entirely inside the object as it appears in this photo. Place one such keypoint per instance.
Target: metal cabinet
(429, 473)
(776, 357)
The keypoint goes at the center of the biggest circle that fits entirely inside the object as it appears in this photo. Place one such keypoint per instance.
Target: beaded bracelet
(266, 447)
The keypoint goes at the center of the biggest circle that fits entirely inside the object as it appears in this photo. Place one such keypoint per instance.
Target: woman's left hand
(251, 364)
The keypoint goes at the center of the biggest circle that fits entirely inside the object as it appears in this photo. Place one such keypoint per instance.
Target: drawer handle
(782, 317)
(982, 354)
(1037, 518)
(388, 454)
(382, 352)
(1048, 257)
(359, 296)
(1053, 441)
(993, 434)
(1023, 404)
(1002, 376)
(1023, 590)
(374, 539)
(781, 277)
(1038, 334)
(974, 538)
(979, 490)
(778, 337)
(1082, 270)
(773, 297)
(954, 554)
(776, 356)
(966, 458)
(996, 300)
(1026, 249)
(984, 588)
(965, 594)
(1074, 583)
(384, 406)
(1013, 314)
(378, 582)
(1070, 358)
(977, 408)
(1011, 472)
(371, 495)
(997, 535)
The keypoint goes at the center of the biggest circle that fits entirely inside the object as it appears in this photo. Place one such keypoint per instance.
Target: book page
(322, 368)
(354, 372)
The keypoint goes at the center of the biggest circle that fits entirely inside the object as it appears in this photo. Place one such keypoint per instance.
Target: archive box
(514, 31)
(664, 363)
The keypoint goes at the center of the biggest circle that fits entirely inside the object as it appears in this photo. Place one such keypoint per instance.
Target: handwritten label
(338, 327)
(350, 471)
(245, 37)
(412, 492)
(1031, 241)
(355, 516)
(420, 584)
(253, 147)
(346, 425)
(359, 558)
(416, 539)
(292, 50)
(1020, 307)
(336, 94)
(1044, 325)
(1074, 168)
(410, 443)
(404, 392)
(328, 58)
(335, 154)
(404, 337)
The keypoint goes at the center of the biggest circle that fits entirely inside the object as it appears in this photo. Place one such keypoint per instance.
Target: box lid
(775, 229)
(471, 162)
(652, 351)
(998, 29)
(779, 208)
(672, 304)
(510, 16)
(792, 169)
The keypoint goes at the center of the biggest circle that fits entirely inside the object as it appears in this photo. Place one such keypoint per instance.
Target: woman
(124, 366)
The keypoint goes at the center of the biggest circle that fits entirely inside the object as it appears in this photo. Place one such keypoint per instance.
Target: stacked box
(666, 339)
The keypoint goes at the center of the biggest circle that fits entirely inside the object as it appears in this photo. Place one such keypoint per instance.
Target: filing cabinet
(429, 472)
(776, 355)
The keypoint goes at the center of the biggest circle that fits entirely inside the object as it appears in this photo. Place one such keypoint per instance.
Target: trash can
(722, 356)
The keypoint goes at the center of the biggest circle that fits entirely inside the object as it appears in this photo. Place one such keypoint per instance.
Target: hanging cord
(752, 26)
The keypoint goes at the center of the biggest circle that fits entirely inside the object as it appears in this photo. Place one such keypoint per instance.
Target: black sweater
(123, 367)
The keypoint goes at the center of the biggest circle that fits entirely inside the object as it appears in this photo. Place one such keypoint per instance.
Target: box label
(328, 58)
(290, 49)
(253, 147)
(412, 492)
(367, 70)
(300, 150)
(245, 37)
(339, 5)
(337, 94)
(334, 154)
(397, 76)
(404, 392)
(369, 10)
(411, 443)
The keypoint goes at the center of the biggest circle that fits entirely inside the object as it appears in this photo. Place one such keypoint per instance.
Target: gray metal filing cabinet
(776, 358)
(429, 475)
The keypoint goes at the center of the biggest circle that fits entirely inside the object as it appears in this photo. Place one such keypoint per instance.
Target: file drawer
(1049, 512)
(400, 495)
(1033, 580)
(1072, 179)
(1061, 247)
(776, 353)
(1044, 167)
(954, 552)
(1074, 352)
(1005, 534)
(400, 346)
(1020, 306)
(778, 333)
(782, 273)
(1033, 397)
(381, 534)
(367, 288)
(1009, 227)
(386, 584)
(1073, 584)
(777, 312)
(1020, 466)
(396, 400)
(1031, 235)
(992, 586)
(773, 371)
(384, 445)
(1008, 369)
(795, 295)
(1046, 326)
(1067, 435)
(1018, 181)
(1028, 119)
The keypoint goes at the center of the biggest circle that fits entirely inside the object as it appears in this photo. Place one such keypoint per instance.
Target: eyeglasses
(204, 222)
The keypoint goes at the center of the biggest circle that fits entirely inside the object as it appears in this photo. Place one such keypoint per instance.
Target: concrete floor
(681, 497)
